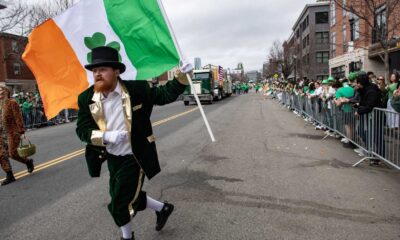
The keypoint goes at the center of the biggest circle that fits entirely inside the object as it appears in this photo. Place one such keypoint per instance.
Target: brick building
(13, 71)
(165, 77)
(354, 44)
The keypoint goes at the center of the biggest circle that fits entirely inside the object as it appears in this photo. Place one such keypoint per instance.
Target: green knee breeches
(126, 181)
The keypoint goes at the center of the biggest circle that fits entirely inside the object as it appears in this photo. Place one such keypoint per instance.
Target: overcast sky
(226, 32)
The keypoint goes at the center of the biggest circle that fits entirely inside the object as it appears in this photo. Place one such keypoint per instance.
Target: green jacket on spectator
(27, 107)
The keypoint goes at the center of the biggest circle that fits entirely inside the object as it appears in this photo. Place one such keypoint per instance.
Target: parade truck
(209, 84)
(203, 85)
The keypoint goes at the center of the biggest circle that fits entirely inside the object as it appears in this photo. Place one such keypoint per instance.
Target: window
(338, 72)
(308, 39)
(354, 28)
(322, 57)
(321, 17)
(305, 42)
(379, 32)
(355, 66)
(304, 24)
(17, 69)
(14, 46)
(333, 42)
(322, 37)
(307, 21)
(333, 13)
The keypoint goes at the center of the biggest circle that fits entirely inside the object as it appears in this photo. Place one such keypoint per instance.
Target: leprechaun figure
(114, 121)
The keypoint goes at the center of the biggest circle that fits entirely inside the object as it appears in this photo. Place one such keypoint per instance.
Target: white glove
(115, 137)
(185, 67)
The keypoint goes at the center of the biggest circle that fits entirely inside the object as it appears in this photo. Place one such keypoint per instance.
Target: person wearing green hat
(345, 115)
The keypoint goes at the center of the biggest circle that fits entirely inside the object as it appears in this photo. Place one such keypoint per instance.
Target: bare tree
(21, 17)
(12, 16)
(280, 61)
(381, 18)
(49, 9)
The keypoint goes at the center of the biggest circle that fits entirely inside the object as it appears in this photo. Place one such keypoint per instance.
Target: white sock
(154, 204)
(127, 231)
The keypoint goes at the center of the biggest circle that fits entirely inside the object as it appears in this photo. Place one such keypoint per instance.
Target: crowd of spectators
(355, 96)
(33, 112)
(240, 88)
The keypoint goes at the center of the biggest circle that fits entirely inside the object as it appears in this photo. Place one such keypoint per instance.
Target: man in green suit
(114, 121)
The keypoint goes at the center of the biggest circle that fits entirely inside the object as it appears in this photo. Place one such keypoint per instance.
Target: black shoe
(9, 179)
(163, 215)
(30, 166)
(133, 237)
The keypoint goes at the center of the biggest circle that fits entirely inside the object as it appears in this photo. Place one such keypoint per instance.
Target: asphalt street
(268, 176)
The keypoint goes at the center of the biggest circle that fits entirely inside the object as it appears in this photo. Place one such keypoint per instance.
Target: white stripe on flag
(83, 20)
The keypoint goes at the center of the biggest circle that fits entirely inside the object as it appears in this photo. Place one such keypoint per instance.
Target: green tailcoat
(140, 101)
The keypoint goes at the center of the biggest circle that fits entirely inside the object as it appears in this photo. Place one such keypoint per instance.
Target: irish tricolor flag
(58, 49)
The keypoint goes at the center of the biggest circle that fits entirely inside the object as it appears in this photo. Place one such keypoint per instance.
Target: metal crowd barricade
(376, 133)
(36, 118)
(357, 129)
(385, 141)
(287, 99)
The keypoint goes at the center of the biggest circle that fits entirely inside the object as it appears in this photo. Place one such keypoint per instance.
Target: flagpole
(188, 76)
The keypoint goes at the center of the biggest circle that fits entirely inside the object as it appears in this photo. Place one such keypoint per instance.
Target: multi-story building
(237, 74)
(252, 76)
(311, 41)
(354, 44)
(14, 72)
(197, 63)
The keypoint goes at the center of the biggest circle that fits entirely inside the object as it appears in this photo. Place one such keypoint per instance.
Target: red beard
(103, 86)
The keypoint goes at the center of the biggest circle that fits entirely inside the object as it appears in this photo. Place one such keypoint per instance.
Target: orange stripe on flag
(58, 72)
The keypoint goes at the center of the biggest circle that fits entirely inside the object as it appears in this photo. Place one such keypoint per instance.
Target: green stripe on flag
(145, 35)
